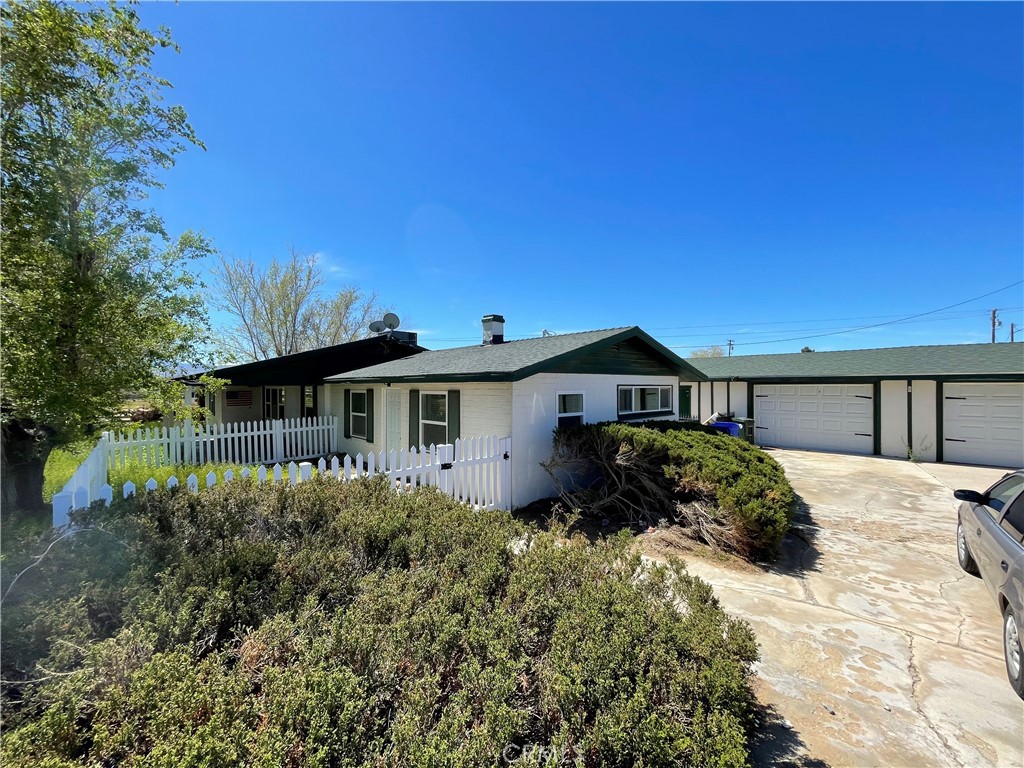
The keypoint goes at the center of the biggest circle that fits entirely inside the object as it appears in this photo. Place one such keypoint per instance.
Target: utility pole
(996, 322)
(730, 347)
(1013, 327)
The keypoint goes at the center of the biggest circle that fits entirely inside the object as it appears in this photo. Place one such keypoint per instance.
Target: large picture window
(570, 409)
(434, 418)
(358, 414)
(639, 400)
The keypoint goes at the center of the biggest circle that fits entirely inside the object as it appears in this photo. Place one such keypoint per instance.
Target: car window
(1004, 491)
(1013, 520)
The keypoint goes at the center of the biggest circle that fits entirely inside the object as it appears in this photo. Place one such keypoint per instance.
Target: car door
(1011, 550)
(987, 537)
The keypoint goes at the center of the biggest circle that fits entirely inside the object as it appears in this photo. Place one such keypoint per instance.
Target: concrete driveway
(877, 650)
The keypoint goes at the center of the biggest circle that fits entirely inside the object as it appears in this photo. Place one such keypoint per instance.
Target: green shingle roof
(510, 361)
(948, 359)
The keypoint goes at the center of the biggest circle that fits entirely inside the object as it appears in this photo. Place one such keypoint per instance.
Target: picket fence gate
(475, 471)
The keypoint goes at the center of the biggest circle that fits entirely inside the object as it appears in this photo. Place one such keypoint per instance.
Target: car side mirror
(972, 496)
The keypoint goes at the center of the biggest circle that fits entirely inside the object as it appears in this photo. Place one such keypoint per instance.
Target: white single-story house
(519, 389)
(292, 386)
(961, 403)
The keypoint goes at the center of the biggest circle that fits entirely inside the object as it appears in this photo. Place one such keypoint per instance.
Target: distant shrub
(728, 492)
(343, 624)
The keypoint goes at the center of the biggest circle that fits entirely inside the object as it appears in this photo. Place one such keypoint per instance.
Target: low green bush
(731, 493)
(341, 624)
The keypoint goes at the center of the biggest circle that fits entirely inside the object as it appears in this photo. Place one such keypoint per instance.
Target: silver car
(990, 544)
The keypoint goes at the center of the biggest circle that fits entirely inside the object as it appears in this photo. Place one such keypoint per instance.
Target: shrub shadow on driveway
(798, 552)
(776, 744)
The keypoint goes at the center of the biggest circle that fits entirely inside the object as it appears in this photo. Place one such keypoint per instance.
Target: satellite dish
(377, 326)
(391, 321)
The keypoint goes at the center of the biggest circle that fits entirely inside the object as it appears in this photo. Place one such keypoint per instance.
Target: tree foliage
(282, 309)
(96, 298)
(712, 351)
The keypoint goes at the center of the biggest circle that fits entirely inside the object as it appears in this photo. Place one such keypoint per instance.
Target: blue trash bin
(729, 427)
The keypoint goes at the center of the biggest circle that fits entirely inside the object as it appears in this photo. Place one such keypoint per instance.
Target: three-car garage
(959, 403)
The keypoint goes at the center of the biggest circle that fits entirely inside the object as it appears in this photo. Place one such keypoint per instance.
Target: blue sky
(758, 172)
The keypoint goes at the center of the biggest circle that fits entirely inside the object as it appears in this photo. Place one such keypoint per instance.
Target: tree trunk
(24, 448)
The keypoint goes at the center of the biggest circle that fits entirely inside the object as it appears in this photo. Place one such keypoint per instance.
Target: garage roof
(940, 360)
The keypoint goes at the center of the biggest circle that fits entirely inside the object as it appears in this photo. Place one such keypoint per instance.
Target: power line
(891, 322)
(941, 318)
(950, 316)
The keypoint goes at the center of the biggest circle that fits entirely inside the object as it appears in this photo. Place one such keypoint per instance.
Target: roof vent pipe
(494, 329)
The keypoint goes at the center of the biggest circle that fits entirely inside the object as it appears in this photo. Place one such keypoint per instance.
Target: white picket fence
(475, 471)
(86, 484)
(256, 442)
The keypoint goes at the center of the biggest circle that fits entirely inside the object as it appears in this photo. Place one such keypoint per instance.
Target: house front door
(684, 401)
(393, 416)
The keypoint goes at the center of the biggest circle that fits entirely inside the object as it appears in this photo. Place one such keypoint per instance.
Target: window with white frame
(357, 414)
(570, 409)
(640, 400)
(434, 418)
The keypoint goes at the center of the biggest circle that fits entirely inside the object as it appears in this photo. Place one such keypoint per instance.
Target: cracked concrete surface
(875, 647)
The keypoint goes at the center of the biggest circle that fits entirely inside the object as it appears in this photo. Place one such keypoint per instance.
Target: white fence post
(189, 437)
(505, 451)
(445, 459)
(277, 436)
(62, 503)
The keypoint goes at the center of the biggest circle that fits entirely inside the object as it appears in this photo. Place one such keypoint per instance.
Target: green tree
(713, 351)
(96, 298)
(283, 309)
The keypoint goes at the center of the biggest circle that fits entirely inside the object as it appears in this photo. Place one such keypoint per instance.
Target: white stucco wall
(233, 414)
(738, 398)
(526, 410)
(485, 409)
(729, 397)
(535, 416)
(894, 418)
(925, 432)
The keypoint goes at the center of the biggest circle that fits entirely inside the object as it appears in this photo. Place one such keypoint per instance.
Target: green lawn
(62, 464)
(64, 461)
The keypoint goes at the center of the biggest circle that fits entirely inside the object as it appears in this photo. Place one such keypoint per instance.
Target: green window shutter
(348, 413)
(369, 415)
(454, 413)
(414, 418)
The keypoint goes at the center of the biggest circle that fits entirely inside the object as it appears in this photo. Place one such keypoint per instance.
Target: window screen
(358, 408)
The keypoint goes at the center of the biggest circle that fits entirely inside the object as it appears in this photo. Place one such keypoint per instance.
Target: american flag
(241, 398)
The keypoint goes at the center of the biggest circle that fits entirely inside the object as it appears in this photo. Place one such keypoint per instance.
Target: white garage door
(983, 424)
(822, 417)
